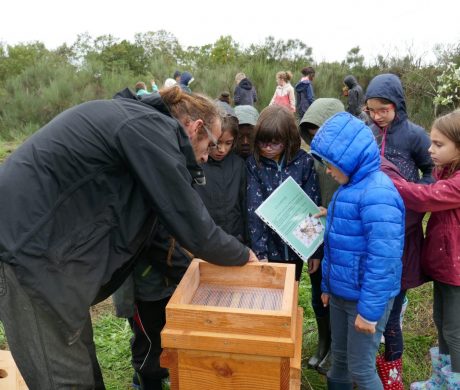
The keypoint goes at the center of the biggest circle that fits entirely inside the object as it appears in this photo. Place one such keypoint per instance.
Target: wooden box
(10, 377)
(234, 328)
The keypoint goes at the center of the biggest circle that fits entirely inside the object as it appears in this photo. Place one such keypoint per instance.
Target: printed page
(289, 212)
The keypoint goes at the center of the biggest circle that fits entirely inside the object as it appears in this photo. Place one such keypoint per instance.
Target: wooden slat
(235, 321)
(188, 285)
(226, 342)
(264, 275)
(169, 359)
(217, 371)
(10, 377)
(296, 361)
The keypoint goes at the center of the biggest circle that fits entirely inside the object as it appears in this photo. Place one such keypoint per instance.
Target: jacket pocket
(79, 243)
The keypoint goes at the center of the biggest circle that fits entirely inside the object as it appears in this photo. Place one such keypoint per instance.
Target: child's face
(380, 113)
(272, 150)
(280, 81)
(224, 146)
(443, 151)
(337, 174)
(245, 140)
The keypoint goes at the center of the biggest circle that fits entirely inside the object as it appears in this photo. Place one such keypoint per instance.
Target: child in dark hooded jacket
(404, 144)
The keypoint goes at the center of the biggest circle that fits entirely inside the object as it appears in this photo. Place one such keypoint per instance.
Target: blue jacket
(404, 143)
(304, 96)
(364, 235)
(262, 180)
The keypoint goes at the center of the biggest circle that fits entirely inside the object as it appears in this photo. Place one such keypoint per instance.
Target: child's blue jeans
(353, 352)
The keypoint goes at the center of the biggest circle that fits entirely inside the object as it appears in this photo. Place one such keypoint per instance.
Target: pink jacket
(441, 249)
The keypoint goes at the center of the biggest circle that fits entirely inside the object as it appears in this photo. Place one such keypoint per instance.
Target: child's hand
(252, 257)
(363, 326)
(313, 265)
(325, 299)
(322, 212)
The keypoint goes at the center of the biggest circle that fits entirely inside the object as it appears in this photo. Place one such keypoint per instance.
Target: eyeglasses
(271, 145)
(379, 111)
(213, 144)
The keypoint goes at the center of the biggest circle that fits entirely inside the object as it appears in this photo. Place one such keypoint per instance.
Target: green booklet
(289, 212)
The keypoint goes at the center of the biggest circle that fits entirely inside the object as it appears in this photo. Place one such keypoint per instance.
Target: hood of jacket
(350, 81)
(388, 86)
(347, 143)
(246, 84)
(301, 85)
(185, 78)
(318, 112)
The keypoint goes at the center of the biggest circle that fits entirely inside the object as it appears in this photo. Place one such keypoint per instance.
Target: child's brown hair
(277, 123)
(449, 126)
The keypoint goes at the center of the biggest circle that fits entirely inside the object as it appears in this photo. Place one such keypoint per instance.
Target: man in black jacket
(78, 201)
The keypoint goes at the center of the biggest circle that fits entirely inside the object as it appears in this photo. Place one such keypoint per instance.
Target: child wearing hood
(404, 144)
(186, 79)
(245, 93)
(363, 245)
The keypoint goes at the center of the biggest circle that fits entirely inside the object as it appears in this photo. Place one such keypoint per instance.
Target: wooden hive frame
(207, 346)
(10, 377)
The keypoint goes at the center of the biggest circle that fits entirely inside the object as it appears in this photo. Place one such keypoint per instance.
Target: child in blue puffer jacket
(277, 155)
(364, 241)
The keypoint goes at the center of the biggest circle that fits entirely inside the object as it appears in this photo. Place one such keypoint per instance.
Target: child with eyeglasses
(277, 155)
(404, 144)
(224, 194)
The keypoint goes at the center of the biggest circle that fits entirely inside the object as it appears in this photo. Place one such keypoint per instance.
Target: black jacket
(245, 93)
(79, 197)
(225, 194)
(355, 96)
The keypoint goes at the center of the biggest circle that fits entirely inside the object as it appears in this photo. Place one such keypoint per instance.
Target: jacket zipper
(326, 242)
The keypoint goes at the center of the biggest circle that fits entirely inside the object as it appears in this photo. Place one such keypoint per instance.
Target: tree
(354, 59)
(448, 90)
(14, 59)
(224, 51)
(158, 42)
(124, 56)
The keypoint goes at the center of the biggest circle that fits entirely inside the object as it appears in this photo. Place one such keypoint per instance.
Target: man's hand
(325, 299)
(322, 212)
(252, 257)
(364, 327)
(313, 265)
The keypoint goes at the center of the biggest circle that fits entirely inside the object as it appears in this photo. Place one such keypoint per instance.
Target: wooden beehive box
(234, 328)
(10, 377)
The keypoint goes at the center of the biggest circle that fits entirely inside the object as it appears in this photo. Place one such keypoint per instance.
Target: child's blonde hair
(449, 126)
(285, 75)
(239, 76)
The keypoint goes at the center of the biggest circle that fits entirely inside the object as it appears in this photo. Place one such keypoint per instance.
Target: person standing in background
(245, 93)
(284, 92)
(304, 91)
(355, 96)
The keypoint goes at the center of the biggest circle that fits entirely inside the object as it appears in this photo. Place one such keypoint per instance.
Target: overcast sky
(330, 27)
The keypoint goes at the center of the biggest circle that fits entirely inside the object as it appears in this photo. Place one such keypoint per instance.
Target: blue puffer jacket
(364, 236)
(262, 180)
(403, 142)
